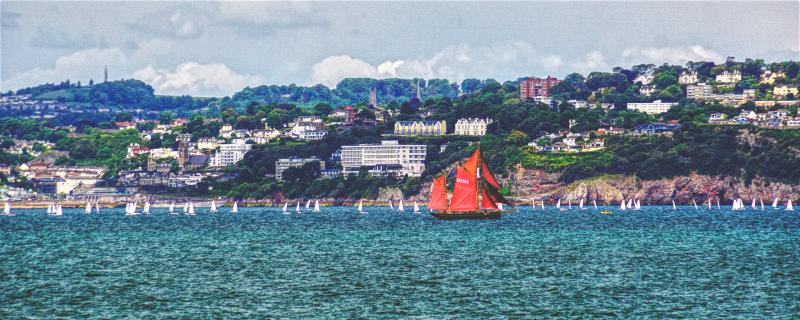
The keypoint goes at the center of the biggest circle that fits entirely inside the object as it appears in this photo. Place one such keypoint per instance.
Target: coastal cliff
(611, 189)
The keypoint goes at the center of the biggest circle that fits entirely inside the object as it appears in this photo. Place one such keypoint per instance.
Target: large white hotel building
(409, 157)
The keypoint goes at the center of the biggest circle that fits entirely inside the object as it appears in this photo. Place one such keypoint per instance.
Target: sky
(218, 48)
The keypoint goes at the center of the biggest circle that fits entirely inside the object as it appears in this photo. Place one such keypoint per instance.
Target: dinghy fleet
(188, 208)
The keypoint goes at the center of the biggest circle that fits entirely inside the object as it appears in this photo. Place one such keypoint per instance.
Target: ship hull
(466, 215)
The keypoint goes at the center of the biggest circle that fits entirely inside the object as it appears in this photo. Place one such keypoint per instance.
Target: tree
(323, 109)
(165, 117)
(123, 116)
(517, 138)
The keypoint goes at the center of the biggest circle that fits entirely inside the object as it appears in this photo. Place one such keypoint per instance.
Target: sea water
(652, 263)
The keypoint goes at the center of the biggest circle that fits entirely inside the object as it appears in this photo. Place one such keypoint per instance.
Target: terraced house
(420, 128)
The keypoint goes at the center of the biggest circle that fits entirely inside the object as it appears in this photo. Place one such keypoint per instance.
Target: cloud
(182, 23)
(333, 69)
(59, 37)
(80, 65)
(592, 61)
(193, 78)
(455, 63)
(9, 19)
(271, 14)
(672, 55)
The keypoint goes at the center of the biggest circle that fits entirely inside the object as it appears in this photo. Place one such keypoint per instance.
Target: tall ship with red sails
(475, 193)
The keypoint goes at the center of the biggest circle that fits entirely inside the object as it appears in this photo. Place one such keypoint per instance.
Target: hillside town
(168, 154)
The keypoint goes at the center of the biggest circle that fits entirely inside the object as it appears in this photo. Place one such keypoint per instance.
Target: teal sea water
(653, 263)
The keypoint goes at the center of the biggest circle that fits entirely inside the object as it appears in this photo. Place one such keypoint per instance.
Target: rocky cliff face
(611, 189)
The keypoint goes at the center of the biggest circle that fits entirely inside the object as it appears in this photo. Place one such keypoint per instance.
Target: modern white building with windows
(229, 154)
(390, 153)
(655, 107)
(293, 162)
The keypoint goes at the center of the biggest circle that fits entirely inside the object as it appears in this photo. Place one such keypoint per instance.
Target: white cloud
(60, 37)
(333, 69)
(283, 14)
(455, 63)
(182, 22)
(80, 65)
(592, 61)
(671, 55)
(192, 78)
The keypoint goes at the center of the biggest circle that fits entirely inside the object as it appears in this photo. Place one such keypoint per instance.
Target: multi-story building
(769, 77)
(229, 154)
(134, 149)
(688, 77)
(795, 122)
(784, 90)
(729, 77)
(308, 121)
(536, 87)
(645, 78)
(410, 158)
(207, 143)
(699, 91)
(225, 131)
(347, 114)
(293, 162)
(655, 107)
(647, 90)
(472, 127)
(656, 128)
(420, 128)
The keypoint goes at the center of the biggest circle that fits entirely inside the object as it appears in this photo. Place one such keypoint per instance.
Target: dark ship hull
(479, 215)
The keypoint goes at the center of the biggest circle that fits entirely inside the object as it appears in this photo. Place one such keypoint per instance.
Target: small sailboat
(630, 203)
(622, 205)
(709, 203)
(400, 206)
(569, 204)
(637, 205)
(594, 203)
(235, 208)
(580, 205)
(789, 206)
(533, 204)
(718, 207)
(285, 205)
(753, 204)
(186, 207)
(761, 200)
(7, 209)
(558, 204)
(316, 206)
(361, 207)
(172, 207)
(391, 207)
(308, 204)
(673, 205)
(297, 209)
(213, 206)
(97, 207)
(59, 211)
(500, 206)
(88, 208)
(695, 204)
(146, 209)
(191, 209)
(416, 207)
(542, 203)
(775, 203)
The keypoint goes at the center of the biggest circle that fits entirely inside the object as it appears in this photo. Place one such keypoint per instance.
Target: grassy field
(67, 94)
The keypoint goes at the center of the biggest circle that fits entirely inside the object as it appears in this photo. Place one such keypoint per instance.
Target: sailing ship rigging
(475, 193)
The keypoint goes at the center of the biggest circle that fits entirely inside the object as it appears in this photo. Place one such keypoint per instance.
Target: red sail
(438, 197)
(471, 165)
(487, 175)
(465, 192)
(488, 202)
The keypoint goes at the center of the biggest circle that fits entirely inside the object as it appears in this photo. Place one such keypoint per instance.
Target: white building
(472, 126)
(688, 77)
(579, 104)
(207, 143)
(647, 90)
(729, 77)
(645, 78)
(163, 153)
(410, 158)
(699, 91)
(793, 122)
(655, 107)
(293, 162)
(229, 154)
(225, 131)
(307, 132)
